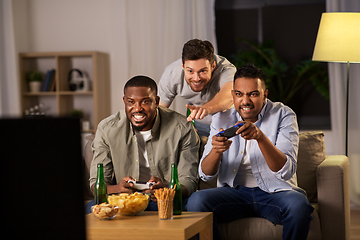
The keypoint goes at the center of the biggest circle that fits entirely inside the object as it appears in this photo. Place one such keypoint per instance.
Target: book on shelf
(49, 84)
(52, 87)
(46, 82)
(52, 80)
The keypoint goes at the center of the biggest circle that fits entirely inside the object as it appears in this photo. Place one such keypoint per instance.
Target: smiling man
(201, 77)
(256, 169)
(143, 141)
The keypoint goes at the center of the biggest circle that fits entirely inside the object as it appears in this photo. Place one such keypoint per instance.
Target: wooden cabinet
(95, 103)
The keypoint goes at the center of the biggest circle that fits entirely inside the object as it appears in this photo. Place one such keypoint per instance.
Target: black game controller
(230, 132)
(141, 185)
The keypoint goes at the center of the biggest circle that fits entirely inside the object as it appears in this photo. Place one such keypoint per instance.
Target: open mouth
(197, 85)
(246, 109)
(138, 117)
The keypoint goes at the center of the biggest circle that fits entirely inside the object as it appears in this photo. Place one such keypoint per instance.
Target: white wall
(85, 25)
(81, 25)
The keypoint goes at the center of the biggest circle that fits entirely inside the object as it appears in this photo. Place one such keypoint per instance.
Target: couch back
(311, 153)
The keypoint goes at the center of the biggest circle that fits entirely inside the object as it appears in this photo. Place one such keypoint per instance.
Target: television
(42, 178)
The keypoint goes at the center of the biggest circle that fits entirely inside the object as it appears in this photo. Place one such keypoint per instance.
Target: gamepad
(141, 185)
(230, 132)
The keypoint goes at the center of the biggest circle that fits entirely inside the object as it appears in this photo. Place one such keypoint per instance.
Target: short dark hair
(197, 49)
(249, 70)
(141, 81)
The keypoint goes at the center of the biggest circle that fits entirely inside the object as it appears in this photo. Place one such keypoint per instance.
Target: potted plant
(34, 79)
(77, 113)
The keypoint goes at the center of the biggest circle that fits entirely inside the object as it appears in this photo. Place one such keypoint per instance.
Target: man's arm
(188, 162)
(274, 158)
(164, 104)
(210, 164)
(220, 102)
(122, 187)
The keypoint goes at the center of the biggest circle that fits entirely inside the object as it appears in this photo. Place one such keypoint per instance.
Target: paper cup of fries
(165, 197)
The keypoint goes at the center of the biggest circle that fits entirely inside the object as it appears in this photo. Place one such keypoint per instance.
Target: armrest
(334, 197)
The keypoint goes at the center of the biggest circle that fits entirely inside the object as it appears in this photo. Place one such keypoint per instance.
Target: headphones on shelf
(80, 83)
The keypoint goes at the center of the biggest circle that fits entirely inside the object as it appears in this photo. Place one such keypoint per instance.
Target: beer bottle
(177, 204)
(187, 114)
(100, 189)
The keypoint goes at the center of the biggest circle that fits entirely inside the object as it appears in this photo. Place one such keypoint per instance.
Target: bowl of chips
(105, 211)
(129, 204)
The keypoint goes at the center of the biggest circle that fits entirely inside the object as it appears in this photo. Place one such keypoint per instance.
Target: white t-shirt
(245, 176)
(145, 172)
(172, 83)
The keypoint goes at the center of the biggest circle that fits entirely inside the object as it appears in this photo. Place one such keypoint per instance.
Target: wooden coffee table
(147, 225)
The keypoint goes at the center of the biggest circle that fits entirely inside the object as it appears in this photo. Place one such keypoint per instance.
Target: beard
(138, 128)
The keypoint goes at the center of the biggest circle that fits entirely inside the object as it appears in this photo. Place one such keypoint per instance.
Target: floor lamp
(338, 40)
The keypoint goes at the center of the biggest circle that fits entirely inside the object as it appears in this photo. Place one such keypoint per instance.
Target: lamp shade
(338, 38)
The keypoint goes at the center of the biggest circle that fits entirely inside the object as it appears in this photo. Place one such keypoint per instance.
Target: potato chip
(129, 204)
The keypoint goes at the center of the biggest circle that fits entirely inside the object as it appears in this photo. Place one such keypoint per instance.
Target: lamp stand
(347, 110)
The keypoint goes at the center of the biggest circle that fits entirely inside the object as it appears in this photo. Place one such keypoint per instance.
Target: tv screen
(42, 178)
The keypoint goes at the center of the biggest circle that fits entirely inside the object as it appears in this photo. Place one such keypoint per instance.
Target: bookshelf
(95, 103)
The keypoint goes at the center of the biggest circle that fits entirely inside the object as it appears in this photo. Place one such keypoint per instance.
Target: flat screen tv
(42, 178)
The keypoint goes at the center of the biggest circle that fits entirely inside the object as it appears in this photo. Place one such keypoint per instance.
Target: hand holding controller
(141, 185)
(230, 132)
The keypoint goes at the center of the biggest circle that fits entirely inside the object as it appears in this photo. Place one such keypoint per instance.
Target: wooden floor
(355, 224)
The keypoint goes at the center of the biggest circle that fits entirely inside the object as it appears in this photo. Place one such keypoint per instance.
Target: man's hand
(220, 144)
(211, 162)
(124, 186)
(274, 158)
(158, 184)
(197, 112)
(249, 131)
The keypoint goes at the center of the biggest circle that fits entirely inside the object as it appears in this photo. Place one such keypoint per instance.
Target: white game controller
(141, 185)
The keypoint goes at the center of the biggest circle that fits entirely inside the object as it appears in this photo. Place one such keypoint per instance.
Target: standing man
(143, 141)
(256, 168)
(201, 77)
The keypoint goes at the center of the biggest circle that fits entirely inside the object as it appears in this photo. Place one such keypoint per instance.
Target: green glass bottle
(187, 114)
(177, 204)
(100, 189)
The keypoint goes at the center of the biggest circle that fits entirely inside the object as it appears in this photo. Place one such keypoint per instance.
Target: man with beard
(202, 78)
(143, 141)
(256, 168)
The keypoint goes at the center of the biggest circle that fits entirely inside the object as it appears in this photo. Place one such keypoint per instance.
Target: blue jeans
(288, 208)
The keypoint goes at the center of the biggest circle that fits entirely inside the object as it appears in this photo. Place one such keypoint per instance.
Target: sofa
(326, 181)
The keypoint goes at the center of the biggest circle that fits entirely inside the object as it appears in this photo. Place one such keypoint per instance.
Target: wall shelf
(95, 103)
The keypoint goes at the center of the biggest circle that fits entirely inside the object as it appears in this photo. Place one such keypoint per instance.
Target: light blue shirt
(278, 122)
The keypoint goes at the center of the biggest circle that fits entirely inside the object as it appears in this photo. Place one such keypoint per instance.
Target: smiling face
(198, 73)
(249, 96)
(140, 107)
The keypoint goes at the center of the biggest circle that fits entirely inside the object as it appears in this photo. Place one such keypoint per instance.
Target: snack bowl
(129, 204)
(105, 211)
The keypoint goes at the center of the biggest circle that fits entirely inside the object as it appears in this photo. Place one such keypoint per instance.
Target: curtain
(157, 30)
(337, 78)
(9, 89)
